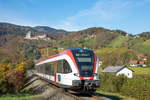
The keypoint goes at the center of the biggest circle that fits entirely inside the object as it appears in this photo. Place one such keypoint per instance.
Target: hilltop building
(89, 36)
(38, 37)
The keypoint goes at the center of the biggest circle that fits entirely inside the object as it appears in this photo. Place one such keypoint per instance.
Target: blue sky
(132, 16)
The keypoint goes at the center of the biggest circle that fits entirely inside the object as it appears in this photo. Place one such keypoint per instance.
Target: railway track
(76, 96)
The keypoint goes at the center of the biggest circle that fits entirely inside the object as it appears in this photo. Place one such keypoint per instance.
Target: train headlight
(76, 74)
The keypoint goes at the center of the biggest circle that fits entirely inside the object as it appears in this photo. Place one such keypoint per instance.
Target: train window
(43, 68)
(59, 66)
(39, 68)
(66, 67)
(84, 59)
(47, 68)
(52, 69)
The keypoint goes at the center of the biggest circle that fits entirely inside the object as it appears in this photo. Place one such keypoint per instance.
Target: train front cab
(82, 73)
(70, 80)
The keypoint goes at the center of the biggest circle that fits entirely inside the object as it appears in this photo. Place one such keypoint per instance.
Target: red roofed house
(142, 63)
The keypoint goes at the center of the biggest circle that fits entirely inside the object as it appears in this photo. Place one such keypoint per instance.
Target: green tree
(148, 61)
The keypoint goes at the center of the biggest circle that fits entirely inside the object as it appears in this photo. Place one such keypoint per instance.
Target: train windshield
(85, 62)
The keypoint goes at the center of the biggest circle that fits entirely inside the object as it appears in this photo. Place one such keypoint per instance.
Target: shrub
(112, 83)
(12, 77)
(137, 87)
(29, 64)
(3, 86)
(15, 79)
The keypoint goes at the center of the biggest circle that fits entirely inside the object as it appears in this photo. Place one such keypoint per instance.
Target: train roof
(80, 49)
(72, 49)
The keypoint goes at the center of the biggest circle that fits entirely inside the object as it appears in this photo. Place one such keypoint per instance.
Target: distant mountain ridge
(145, 34)
(7, 28)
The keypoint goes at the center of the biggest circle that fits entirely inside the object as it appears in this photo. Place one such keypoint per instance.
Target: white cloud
(104, 11)
(67, 26)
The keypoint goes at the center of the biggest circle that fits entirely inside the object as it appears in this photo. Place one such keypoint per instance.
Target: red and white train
(75, 69)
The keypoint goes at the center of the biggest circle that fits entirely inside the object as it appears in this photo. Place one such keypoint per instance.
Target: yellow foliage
(147, 42)
(20, 66)
(60, 50)
(4, 68)
(104, 51)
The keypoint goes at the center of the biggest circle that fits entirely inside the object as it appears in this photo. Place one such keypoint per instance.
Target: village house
(89, 36)
(136, 36)
(142, 58)
(61, 48)
(142, 63)
(133, 63)
(118, 70)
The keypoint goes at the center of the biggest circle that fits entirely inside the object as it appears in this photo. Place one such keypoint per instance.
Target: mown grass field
(16, 97)
(140, 70)
(118, 42)
(147, 42)
(135, 42)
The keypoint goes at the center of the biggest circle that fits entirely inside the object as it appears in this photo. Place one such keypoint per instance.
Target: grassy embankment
(115, 96)
(16, 97)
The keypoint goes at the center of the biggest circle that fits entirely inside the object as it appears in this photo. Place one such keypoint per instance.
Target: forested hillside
(113, 47)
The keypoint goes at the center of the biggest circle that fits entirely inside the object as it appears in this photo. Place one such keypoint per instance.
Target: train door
(55, 72)
(66, 73)
(59, 71)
